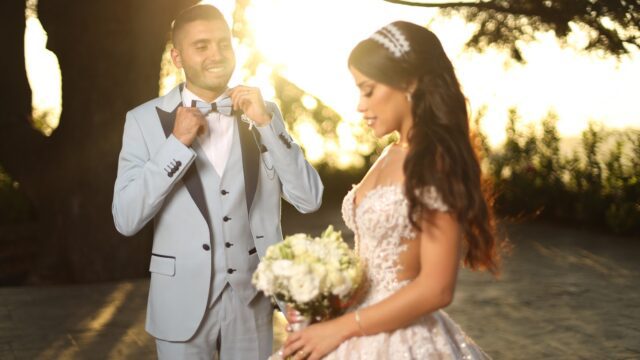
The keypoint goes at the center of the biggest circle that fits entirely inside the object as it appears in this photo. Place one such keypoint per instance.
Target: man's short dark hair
(194, 13)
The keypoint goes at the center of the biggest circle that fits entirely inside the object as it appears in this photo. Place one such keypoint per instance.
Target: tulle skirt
(434, 336)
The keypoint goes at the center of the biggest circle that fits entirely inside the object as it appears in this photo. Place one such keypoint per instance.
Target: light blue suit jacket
(157, 179)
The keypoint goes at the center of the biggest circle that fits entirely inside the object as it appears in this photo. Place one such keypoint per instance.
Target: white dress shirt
(216, 141)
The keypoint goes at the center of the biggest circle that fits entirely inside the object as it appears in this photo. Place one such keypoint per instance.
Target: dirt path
(564, 294)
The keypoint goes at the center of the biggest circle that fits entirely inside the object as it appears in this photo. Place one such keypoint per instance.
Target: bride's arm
(431, 290)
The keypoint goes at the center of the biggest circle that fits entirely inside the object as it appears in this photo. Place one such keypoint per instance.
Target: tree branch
(437, 5)
(482, 5)
(544, 16)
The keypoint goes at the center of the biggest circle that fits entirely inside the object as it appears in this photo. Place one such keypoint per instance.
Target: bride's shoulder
(432, 198)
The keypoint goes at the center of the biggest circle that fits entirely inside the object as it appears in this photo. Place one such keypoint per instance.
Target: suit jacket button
(230, 271)
(226, 218)
(206, 247)
(228, 244)
(224, 192)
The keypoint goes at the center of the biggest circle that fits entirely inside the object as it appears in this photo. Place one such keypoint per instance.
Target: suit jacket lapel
(250, 160)
(191, 178)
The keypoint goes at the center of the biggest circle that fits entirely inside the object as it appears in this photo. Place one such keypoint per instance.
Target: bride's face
(385, 109)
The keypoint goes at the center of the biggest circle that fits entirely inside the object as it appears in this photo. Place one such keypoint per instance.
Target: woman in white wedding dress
(416, 214)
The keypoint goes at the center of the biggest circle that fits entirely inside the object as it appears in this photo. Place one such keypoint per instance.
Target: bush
(591, 187)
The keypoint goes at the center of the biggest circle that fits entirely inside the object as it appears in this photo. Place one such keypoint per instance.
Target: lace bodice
(382, 211)
(388, 212)
(381, 224)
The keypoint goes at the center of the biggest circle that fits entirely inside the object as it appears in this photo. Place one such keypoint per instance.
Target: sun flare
(309, 42)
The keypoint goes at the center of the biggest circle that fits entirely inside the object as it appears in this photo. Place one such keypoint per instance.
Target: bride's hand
(319, 339)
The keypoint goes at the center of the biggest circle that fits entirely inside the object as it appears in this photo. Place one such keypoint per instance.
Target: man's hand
(249, 100)
(189, 123)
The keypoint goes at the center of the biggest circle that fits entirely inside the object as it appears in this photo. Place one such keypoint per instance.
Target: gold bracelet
(357, 314)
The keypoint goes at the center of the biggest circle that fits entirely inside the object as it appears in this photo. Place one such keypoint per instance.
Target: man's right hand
(189, 123)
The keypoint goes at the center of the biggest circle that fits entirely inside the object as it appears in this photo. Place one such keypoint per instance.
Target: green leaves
(611, 26)
(598, 185)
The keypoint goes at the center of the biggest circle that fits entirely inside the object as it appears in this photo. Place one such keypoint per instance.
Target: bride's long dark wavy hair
(440, 153)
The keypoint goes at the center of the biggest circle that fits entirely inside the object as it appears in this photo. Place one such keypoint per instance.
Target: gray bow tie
(223, 106)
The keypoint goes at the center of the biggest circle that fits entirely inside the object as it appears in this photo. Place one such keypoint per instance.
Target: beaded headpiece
(392, 39)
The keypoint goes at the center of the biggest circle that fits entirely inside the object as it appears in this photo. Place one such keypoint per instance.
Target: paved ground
(564, 294)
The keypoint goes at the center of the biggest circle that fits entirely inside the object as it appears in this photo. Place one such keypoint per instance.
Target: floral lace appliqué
(381, 223)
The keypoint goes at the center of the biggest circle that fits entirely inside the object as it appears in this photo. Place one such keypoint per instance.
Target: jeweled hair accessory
(393, 39)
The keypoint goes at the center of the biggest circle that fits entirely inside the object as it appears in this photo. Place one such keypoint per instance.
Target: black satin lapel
(167, 119)
(191, 178)
(250, 160)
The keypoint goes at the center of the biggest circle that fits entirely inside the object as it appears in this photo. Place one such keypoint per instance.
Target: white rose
(263, 279)
(322, 252)
(319, 271)
(304, 287)
(272, 252)
(283, 268)
(341, 285)
(297, 237)
(299, 244)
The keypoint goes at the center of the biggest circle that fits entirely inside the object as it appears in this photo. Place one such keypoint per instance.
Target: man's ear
(176, 58)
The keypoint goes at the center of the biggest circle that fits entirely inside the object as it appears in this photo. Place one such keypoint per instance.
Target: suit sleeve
(145, 179)
(301, 184)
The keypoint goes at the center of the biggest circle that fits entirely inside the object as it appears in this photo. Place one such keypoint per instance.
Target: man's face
(203, 49)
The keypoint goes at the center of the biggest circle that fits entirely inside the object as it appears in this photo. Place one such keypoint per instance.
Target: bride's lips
(370, 120)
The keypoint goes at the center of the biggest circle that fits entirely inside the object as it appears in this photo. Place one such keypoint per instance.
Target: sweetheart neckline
(366, 196)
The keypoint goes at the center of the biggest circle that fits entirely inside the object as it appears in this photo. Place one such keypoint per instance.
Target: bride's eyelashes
(367, 92)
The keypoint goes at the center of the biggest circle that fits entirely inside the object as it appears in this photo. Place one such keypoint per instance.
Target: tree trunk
(109, 54)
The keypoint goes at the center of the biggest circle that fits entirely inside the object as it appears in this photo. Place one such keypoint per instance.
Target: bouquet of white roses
(312, 274)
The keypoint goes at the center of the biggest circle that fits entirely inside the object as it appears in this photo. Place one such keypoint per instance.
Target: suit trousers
(230, 330)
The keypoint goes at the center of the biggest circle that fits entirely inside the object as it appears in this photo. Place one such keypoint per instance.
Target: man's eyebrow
(200, 41)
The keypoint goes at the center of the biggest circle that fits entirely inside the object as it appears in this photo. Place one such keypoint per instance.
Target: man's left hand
(249, 100)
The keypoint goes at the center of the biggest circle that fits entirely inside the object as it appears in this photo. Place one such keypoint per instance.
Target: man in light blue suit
(209, 165)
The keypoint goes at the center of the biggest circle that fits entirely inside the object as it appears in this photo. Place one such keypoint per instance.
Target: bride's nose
(362, 105)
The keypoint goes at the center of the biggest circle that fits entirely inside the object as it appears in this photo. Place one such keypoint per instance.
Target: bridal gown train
(380, 222)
